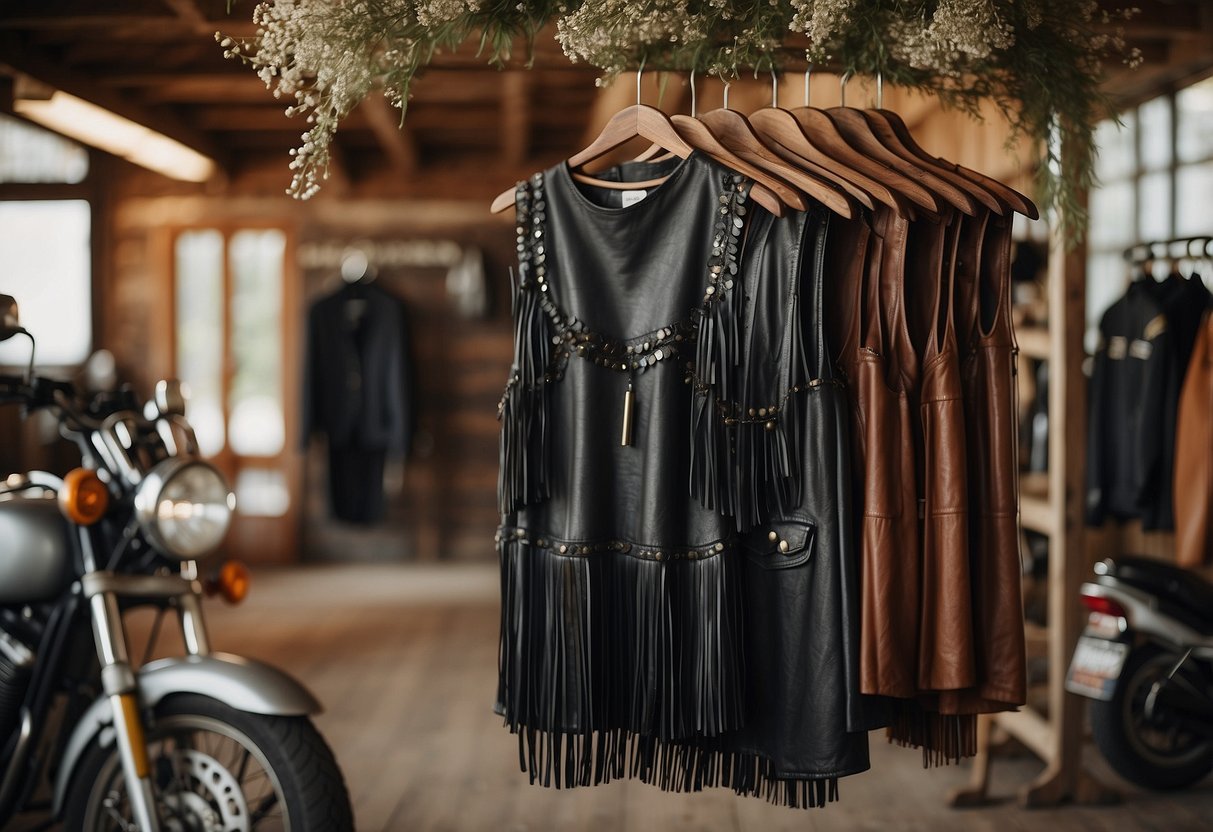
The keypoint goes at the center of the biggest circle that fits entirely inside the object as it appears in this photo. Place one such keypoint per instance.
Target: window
(46, 244)
(1155, 182)
(31, 154)
(229, 344)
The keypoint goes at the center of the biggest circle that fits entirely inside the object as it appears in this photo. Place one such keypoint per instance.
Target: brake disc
(220, 808)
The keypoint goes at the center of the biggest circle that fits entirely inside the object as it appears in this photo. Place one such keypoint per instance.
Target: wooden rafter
(515, 117)
(395, 140)
(188, 11)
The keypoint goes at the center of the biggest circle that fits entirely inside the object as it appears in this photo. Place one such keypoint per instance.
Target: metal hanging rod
(1178, 248)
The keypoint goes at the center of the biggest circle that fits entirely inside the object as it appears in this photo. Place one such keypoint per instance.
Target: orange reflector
(84, 497)
(231, 581)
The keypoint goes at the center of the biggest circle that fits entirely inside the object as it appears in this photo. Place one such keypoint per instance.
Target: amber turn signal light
(231, 581)
(84, 497)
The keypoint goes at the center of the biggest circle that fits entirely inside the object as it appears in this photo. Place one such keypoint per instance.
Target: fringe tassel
(943, 738)
(709, 452)
(770, 458)
(566, 761)
(524, 470)
(613, 666)
(598, 650)
(713, 475)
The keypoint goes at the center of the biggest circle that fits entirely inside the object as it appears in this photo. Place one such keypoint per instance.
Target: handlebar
(12, 389)
(35, 393)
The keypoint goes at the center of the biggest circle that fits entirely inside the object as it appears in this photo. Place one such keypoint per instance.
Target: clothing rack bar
(1177, 248)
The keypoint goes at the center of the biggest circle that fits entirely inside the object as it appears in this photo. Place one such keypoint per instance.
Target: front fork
(118, 677)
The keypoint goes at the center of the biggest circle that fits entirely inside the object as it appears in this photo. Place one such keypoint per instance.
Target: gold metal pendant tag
(629, 405)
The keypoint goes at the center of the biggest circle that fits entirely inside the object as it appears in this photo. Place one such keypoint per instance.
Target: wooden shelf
(1034, 484)
(1033, 341)
(1036, 639)
(1036, 514)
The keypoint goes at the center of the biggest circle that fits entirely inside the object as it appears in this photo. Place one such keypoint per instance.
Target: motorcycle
(203, 742)
(1145, 660)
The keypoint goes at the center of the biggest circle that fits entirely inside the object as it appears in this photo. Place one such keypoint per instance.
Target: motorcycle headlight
(184, 507)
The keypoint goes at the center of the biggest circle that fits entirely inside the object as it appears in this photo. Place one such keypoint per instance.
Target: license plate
(1095, 667)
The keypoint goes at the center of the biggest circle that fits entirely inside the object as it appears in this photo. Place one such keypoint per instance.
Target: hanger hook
(842, 88)
(807, 73)
(726, 95)
(774, 88)
(694, 103)
(880, 89)
(639, 75)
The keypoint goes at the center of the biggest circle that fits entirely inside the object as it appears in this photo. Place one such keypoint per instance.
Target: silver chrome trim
(193, 625)
(147, 499)
(16, 652)
(45, 479)
(245, 684)
(140, 586)
(1141, 609)
(109, 435)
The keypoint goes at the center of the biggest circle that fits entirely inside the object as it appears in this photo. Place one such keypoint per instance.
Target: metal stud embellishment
(727, 232)
(576, 549)
(571, 338)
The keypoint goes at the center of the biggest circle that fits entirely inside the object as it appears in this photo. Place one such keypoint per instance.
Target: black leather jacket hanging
(1145, 342)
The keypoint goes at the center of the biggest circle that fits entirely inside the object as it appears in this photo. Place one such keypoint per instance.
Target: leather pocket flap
(780, 545)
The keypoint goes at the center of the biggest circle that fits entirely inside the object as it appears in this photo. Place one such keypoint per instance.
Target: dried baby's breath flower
(323, 57)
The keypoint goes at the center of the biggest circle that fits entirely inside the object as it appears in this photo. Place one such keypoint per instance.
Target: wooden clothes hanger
(735, 132)
(636, 120)
(1008, 198)
(652, 124)
(789, 139)
(884, 126)
(825, 136)
(852, 124)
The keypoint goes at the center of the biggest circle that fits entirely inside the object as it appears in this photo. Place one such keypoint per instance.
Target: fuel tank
(35, 550)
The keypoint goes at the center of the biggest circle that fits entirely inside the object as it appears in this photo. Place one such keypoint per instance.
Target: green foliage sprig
(1040, 61)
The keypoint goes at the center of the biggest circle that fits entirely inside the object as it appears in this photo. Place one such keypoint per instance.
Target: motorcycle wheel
(217, 769)
(1156, 754)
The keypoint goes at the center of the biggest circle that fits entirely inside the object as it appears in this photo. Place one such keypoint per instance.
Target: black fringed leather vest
(676, 603)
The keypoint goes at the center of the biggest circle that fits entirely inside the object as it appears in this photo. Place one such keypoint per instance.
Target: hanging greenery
(1040, 61)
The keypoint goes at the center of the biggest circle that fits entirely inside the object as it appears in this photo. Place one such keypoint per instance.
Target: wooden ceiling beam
(337, 179)
(1158, 20)
(187, 11)
(395, 140)
(28, 62)
(515, 117)
(150, 64)
(245, 117)
(433, 118)
(218, 88)
(121, 26)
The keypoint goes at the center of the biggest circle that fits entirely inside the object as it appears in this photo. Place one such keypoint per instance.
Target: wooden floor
(404, 659)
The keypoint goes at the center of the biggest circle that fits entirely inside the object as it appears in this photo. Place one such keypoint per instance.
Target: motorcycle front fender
(245, 684)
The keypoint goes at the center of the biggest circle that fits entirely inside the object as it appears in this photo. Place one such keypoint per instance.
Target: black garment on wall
(1145, 341)
(358, 391)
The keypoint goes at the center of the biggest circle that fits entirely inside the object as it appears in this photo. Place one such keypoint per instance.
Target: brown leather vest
(1194, 456)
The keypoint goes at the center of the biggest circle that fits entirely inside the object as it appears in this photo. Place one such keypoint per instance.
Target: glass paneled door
(233, 342)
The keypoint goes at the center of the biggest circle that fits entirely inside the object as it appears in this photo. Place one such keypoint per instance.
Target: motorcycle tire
(1123, 735)
(300, 769)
